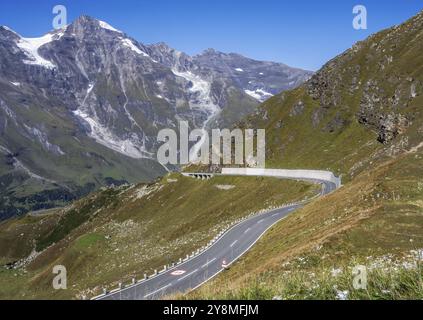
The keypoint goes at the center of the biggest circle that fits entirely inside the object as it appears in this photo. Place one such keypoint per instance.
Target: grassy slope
(375, 214)
(114, 235)
(379, 211)
(379, 214)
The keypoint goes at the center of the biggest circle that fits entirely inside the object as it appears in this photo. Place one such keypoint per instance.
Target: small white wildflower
(342, 295)
(336, 272)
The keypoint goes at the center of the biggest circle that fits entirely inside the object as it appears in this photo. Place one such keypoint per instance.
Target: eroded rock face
(379, 110)
(373, 81)
(390, 126)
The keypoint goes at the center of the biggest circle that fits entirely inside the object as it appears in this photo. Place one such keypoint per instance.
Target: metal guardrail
(228, 227)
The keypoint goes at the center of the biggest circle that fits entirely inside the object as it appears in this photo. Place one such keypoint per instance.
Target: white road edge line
(207, 264)
(187, 261)
(246, 250)
(158, 290)
(289, 209)
(183, 263)
(239, 256)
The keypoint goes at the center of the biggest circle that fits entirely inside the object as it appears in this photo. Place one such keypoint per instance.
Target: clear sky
(300, 33)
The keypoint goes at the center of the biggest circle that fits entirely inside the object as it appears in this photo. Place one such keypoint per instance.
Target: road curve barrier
(285, 173)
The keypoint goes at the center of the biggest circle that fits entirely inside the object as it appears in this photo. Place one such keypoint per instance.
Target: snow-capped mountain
(80, 107)
(259, 79)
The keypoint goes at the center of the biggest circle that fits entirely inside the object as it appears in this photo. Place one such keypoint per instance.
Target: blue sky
(300, 33)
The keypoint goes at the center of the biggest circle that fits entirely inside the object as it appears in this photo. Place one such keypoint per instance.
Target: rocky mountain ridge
(81, 107)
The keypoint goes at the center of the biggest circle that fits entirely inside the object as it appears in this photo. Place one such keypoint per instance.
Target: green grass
(377, 214)
(123, 232)
(87, 241)
(116, 234)
(390, 283)
(75, 217)
(379, 210)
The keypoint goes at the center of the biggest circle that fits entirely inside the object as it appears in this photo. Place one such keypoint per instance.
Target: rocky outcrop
(372, 81)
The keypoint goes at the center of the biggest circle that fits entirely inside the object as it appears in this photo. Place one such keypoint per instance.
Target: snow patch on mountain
(105, 137)
(200, 100)
(201, 90)
(90, 88)
(107, 26)
(8, 29)
(259, 94)
(128, 43)
(58, 33)
(31, 46)
(239, 70)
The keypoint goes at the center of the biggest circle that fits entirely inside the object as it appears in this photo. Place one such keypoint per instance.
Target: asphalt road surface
(203, 267)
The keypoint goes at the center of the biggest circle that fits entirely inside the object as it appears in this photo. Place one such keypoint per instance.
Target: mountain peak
(162, 46)
(7, 33)
(85, 20)
(6, 28)
(211, 52)
(88, 22)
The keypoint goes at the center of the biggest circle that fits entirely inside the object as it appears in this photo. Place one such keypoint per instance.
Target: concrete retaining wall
(283, 173)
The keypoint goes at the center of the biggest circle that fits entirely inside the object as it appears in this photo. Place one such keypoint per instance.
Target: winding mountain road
(201, 268)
